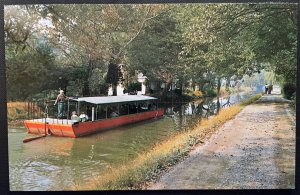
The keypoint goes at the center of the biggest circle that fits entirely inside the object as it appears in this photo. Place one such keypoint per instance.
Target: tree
(155, 52)
(227, 39)
(18, 25)
(83, 37)
(114, 75)
(28, 72)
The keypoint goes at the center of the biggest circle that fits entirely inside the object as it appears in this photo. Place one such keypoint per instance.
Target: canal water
(55, 163)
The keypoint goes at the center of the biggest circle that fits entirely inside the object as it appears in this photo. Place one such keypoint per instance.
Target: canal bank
(256, 150)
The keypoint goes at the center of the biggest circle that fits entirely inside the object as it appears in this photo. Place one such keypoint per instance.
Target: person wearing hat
(60, 101)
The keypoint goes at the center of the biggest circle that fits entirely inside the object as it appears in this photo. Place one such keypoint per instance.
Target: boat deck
(52, 121)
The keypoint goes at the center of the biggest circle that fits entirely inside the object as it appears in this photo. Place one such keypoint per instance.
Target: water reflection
(187, 114)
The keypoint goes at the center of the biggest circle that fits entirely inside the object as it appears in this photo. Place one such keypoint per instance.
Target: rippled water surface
(55, 163)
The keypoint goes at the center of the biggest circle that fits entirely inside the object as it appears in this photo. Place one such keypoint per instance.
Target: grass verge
(16, 113)
(149, 166)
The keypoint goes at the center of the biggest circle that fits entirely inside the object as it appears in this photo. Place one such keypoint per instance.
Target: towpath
(255, 150)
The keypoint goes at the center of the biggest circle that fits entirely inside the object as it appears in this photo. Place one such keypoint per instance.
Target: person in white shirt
(83, 117)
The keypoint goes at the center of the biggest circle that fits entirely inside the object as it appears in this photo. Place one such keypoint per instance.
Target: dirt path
(256, 150)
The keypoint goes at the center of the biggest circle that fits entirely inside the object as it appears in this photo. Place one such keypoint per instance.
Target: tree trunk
(167, 86)
(218, 105)
(193, 85)
(227, 82)
(219, 86)
(85, 89)
(114, 88)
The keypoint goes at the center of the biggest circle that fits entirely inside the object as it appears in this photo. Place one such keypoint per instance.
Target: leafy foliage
(288, 90)
(29, 72)
(184, 43)
(132, 87)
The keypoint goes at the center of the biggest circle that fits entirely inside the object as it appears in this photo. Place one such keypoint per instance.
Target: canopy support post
(106, 111)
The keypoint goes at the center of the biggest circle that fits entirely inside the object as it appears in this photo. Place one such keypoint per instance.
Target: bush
(134, 87)
(210, 92)
(288, 90)
(293, 102)
(178, 91)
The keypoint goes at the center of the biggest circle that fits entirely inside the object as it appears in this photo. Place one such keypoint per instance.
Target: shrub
(134, 87)
(293, 102)
(177, 91)
(288, 90)
(210, 92)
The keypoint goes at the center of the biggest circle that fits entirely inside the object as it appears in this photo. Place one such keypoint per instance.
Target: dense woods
(84, 49)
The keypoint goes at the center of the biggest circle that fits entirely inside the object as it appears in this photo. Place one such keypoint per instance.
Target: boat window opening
(96, 112)
(78, 106)
(113, 111)
(106, 112)
(101, 113)
(124, 109)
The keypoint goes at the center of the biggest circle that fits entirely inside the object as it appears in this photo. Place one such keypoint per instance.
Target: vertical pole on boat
(93, 113)
(33, 113)
(106, 111)
(31, 110)
(68, 111)
(28, 110)
(97, 112)
(46, 115)
(40, 112)
(78, 107)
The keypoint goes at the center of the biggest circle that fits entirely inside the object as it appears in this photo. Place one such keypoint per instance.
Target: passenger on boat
(60, 101)
(83, 117)
(154, 107)
(114, 114)
(74, 118)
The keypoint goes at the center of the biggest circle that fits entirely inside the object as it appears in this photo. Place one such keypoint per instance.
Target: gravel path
(256, 150)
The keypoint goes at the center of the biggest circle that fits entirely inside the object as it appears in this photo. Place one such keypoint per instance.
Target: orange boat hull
(85, 128)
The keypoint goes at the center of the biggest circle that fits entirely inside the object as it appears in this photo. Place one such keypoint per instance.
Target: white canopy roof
(114, 99)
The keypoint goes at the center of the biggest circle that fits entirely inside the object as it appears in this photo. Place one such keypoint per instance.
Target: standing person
(270, 88)
(60, 101)
(266, 88)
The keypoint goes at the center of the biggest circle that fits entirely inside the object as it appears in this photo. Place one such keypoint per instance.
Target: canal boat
(103, 113)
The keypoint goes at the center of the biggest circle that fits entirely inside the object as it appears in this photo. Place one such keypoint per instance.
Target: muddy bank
(256, 150)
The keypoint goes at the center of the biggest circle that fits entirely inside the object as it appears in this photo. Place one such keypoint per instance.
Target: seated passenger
(83, 117)
(74, 118)
(114, 114)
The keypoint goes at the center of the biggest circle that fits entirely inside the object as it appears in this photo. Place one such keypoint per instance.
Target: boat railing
(46, 111)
